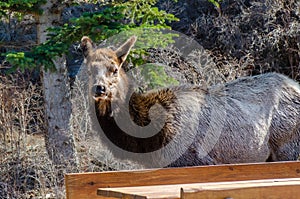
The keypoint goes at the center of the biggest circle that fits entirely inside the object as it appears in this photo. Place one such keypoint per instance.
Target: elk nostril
(98, 90)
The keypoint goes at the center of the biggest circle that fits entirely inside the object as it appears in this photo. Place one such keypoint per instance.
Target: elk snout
(99, 90)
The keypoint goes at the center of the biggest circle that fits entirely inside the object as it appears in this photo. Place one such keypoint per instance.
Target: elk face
(108, 79)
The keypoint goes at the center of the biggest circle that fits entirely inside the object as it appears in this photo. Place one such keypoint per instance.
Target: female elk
(251, 119)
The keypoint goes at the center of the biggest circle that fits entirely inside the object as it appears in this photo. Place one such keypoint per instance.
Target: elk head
(108, 79)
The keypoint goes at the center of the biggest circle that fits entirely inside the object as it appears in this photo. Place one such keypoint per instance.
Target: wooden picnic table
(90, 185)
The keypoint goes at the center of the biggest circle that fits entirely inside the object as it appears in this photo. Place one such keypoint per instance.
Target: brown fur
(252, 119)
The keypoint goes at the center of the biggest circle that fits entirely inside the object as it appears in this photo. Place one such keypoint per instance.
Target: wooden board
(265, 189)
(85, 185)
(142, 192)
(207, 190)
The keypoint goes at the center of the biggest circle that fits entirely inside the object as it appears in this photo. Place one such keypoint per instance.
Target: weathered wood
(266, 189)
(85, 185)
(247, 189)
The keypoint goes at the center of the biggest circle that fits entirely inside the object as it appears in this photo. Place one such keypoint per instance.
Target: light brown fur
(252, 119)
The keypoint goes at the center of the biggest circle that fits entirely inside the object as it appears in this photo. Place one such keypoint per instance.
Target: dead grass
(25, 168)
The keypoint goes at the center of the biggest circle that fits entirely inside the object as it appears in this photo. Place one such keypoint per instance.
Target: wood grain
(266, 189)
(143, 192)
(85, 185)
(247, 189)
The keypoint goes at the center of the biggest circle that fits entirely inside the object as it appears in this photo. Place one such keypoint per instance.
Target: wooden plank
(85, 185)
(195, 190)
(266, 189)
(142, 192)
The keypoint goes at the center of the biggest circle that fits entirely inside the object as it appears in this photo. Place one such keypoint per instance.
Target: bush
(266, 33)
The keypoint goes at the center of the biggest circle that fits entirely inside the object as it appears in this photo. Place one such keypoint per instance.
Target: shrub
(264, 32)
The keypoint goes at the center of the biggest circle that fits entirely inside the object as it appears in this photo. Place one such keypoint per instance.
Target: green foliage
(20, 59)
(21, 6)
(156, 77)
(144, 13)
(216, 3)
(132, 17)
(150, 37)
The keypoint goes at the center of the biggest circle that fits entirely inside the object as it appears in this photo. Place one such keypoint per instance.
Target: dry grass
(23, 157)
(25, 168)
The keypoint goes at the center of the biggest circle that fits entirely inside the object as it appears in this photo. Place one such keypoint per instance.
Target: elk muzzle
(99, 91)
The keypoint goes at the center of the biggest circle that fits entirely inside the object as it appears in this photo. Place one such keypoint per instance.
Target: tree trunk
(59, 139)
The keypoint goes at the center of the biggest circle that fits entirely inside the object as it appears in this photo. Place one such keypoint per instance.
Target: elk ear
(124, 50)
(86, 45)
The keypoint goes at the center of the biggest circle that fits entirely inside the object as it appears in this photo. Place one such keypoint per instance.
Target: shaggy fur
(252, 119)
